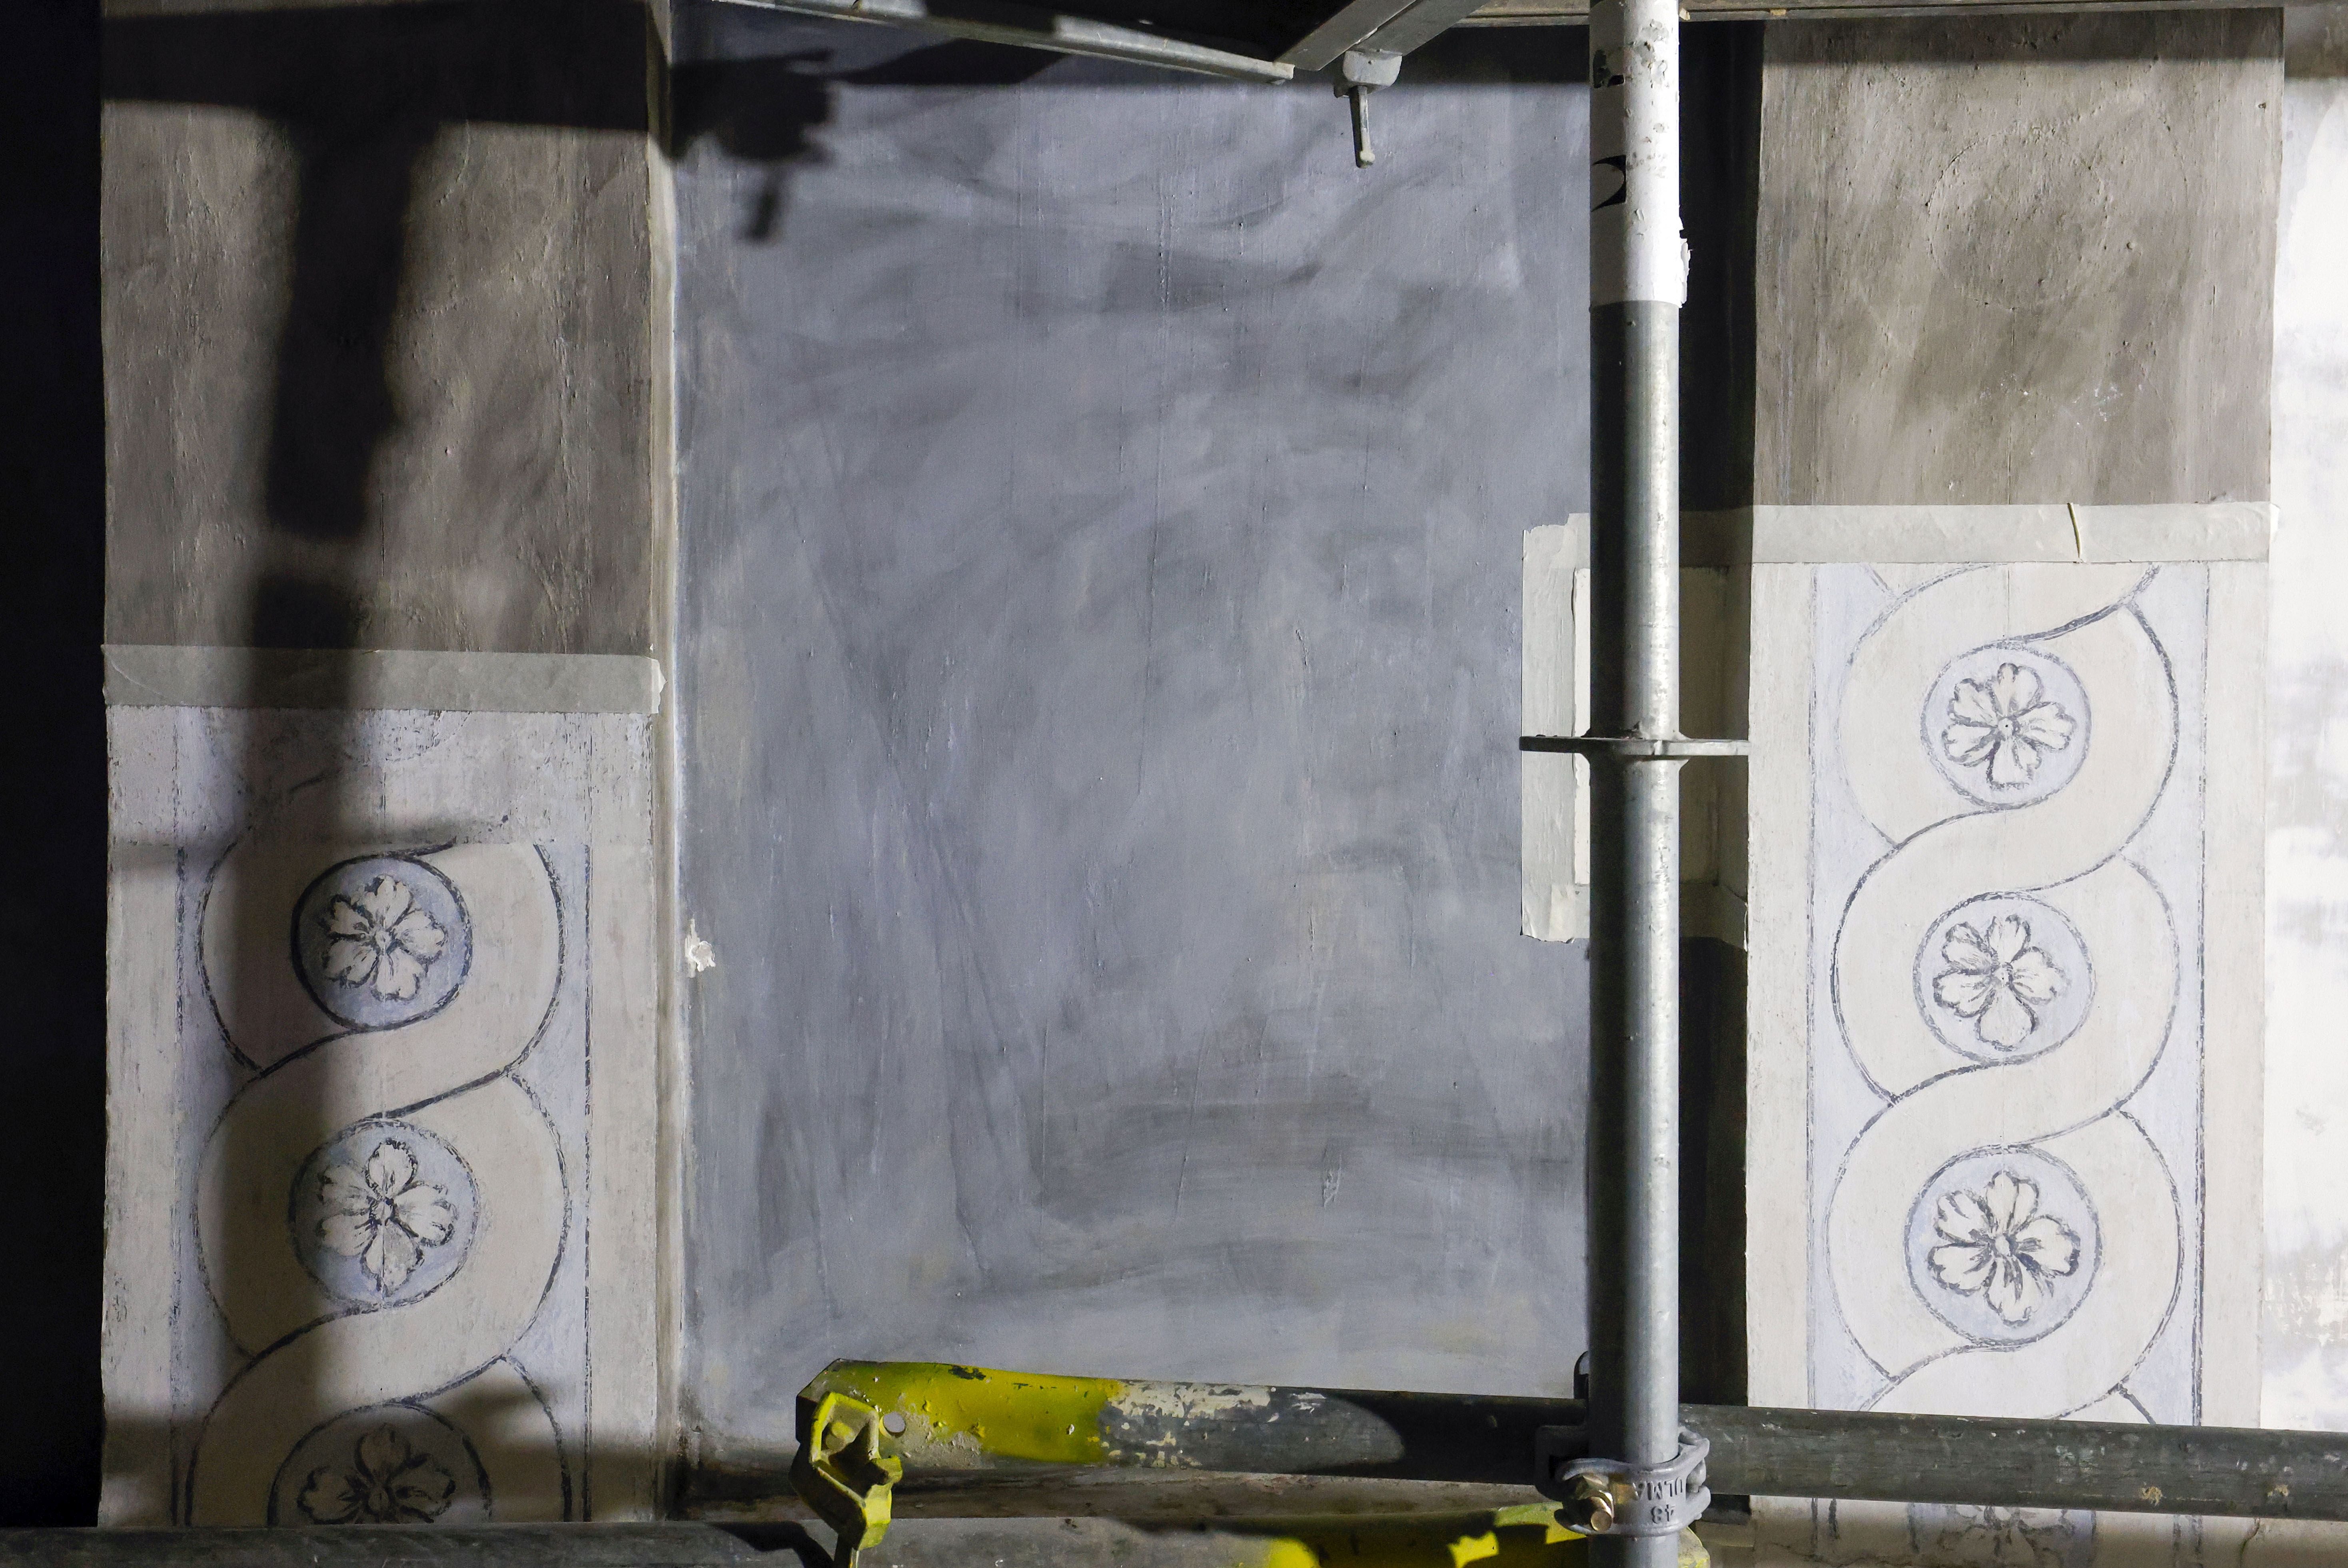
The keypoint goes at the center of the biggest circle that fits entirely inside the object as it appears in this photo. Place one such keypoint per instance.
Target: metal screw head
(1590, 1509)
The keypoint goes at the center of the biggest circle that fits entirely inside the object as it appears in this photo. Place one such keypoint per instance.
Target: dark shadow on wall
(1712, 1367)
(514, 62)
(1720, 152)
(759, 112)
(1720, 142)
(333, 406)
(762, 113)
(360, 94)
(53, 856)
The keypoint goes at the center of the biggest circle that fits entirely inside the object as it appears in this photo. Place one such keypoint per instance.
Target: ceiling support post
(1638, 281)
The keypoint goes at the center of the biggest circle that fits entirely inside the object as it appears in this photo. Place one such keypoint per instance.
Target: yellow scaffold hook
(842, 1474)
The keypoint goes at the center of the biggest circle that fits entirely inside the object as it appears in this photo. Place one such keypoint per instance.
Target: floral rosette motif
(1996, 977)
(1995, 1244)
(382, 941)
(383, 1212)
(2003, 1245)
(379, 938)
(383, 1215)
(385, 1481)
(2006, 724)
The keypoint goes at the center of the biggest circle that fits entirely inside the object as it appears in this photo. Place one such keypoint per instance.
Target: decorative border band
(144, 675)
(2057, 531)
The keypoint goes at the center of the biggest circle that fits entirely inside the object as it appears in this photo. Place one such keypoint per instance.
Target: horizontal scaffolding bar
(2111, 1467)
(1424, 1542)
(396, 1547)
(973, 1426)
(1554, 14)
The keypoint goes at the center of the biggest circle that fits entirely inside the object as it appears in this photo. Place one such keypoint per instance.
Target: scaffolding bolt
(1359, 73)
(1589, 1505)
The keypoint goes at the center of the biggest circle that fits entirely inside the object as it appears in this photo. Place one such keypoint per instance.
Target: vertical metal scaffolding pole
(1638, 281)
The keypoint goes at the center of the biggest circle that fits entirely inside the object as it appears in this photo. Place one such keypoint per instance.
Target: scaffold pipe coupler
(1609, 1497)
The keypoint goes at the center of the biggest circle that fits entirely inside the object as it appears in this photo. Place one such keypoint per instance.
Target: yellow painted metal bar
(974, 1417)
(940, 1416)
(1527, 1537)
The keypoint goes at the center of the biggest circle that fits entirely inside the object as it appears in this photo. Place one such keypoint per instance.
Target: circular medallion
(2003, 979)
(383, 1212)
(388, 1464)
(2006, 724)
(2003, 1245)
(2022, 220)
(382, 941)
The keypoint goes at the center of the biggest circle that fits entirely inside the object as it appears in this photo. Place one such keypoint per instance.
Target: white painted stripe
(2057, 531)
(1636, 250)
(142, 675)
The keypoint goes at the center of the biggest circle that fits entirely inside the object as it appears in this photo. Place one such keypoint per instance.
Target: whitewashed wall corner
(1554, 788)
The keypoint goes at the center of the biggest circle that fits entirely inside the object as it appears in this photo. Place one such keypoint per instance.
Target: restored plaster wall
(377, 316)
(2306, 1351)
(1101, 517)
(2017, 259)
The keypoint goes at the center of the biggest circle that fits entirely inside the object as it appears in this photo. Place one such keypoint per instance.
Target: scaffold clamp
(1610, 1497)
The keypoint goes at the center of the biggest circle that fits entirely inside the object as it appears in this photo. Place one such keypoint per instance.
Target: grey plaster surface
(2017, 259)
(1100, 512)
(377, 283)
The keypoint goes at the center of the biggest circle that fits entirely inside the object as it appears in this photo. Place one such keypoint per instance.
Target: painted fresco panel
(373, 971)
(1999, 802)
